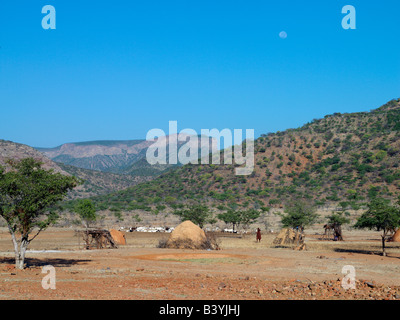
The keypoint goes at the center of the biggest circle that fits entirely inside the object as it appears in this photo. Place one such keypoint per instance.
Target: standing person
(258, 237)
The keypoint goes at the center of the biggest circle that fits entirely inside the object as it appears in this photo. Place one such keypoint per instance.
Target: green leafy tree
(238, 217)
(28, 195)
(264, 217)
(196, 213)
(299, 215)
(231, 216)
(336, 220)
(86, 211)
(380, 216)
(249, 216)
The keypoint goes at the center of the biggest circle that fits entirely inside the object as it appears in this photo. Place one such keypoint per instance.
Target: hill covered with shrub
(339, 159)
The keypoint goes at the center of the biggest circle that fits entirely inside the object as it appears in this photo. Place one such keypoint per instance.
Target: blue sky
(115, 70)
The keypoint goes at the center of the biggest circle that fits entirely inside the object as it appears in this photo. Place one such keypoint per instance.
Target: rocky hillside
(122, 157)
(342, 158)
(94, 182)
(99, 183)
(107, 156)
(15, 151)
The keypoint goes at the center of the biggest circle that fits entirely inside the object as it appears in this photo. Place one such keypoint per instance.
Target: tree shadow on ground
(55, 262)
(367, 252)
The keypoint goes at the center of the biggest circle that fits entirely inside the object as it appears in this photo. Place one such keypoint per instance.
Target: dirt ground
(241, 270)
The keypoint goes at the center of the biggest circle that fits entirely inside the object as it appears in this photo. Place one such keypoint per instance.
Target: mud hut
(118, 236)
(187, 235)
(396, 236)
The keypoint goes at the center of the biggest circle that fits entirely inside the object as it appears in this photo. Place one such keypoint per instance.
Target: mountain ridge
(341, 158)
(114, 156)
(101, 155)
(94, 182)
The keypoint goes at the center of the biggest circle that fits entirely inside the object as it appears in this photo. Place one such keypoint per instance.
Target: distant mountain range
(95, 182)
(114, 156)
(106, 156)
(104, 166)
(340, 159)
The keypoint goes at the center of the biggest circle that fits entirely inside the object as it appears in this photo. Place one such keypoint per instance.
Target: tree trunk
(24, 246)
(86, 239)
(16, 250)
(383, 246)
(19, 251)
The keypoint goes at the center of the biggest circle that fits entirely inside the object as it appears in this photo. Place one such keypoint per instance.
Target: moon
(283, 35)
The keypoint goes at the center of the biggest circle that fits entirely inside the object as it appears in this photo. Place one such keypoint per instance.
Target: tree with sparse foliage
(380, 216)
(249, 216)
(239, 217)
(86, 211)
(196, 213)
(299, 215)
(28, 196)
(231, 216)
(336, 220)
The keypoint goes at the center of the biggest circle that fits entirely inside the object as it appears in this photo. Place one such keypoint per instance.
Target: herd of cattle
(168, 229)
(146, 229)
